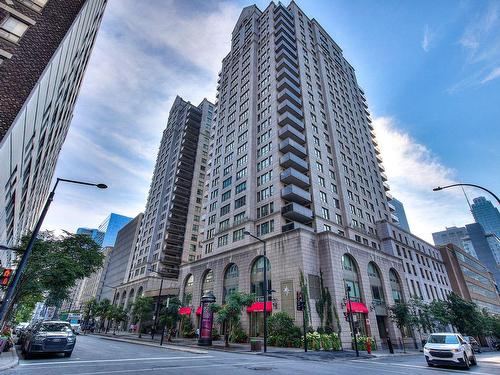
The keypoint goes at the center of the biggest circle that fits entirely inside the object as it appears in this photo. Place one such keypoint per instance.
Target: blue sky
(430, 70)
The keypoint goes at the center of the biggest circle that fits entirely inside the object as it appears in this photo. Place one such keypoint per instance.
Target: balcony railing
(295, 194)
(292, 160)
(292, 176)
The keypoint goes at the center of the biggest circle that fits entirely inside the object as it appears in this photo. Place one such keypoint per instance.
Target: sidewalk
(191, 345)
(8, 359)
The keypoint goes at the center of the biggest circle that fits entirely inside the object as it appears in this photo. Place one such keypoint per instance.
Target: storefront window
(231, 281)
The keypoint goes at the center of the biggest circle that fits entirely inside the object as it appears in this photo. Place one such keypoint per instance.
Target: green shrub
(238, 335)
(187, 327)
(215, 334)
(317, 341)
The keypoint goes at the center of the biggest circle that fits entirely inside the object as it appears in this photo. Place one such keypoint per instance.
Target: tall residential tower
(45, 46)
(293, 160)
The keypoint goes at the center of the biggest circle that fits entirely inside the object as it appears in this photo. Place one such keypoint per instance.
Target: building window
(222, 240)
(240, 202)
(238, 234)
(225, 210)
(34, 4)
(265, 228)
(12, 29)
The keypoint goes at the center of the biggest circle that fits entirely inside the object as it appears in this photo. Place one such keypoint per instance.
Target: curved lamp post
(476, 186)
(24, 260)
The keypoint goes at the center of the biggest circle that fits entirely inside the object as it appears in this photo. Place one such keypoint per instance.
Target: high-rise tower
(294, 161)
(487, 215)
(45, 46)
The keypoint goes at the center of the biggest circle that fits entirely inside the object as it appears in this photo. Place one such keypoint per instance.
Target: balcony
(292, 176)
(294, 225)
(285, 83)
(386, 186)
(295, 194)
(284, 54)
(284, 73)
(297, 212)
(391, 206)
(289, 145)
(389, 196)
(284, 63)
(384, 176)
(284, 45)
(289, 131)
(292, 160)
(288, 94)
(282, 34)
(282, 12)
(288, 106)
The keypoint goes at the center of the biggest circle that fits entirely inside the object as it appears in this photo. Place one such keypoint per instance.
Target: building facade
(172, 221)
(399, 211)
(93, 285)
(453, 235)
(294, 160)
(470, 279)
(109, 228)
(487, 215)
(425, 272)
(115, 273)
(92, 233)
(45, 46)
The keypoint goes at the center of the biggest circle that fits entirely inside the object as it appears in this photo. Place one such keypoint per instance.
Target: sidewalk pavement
(190, 345)
(9, 359)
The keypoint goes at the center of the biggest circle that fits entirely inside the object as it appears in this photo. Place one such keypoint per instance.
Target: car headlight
(457, 350)
(39, 339)
(426, 350)
(71, 338)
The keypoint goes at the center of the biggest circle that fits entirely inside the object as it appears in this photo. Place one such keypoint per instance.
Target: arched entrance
(257, 287)
(356, 306)
(378, 299)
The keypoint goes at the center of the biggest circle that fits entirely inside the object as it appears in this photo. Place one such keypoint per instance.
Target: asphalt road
(96, 355)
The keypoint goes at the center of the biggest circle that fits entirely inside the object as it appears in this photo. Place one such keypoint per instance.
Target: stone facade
(294, 253)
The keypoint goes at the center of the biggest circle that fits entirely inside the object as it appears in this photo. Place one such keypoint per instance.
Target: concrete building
(92, 233)
(486, 246)
(453, 235)
(425, 272)
(399, 211)
(169, 233)
(45, 46)
(470, 279)
(93, 285)
(294, 160)
(487, 215)
(117, 270)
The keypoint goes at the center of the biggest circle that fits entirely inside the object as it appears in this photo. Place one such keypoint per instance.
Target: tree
(400, 314)
(229, 314)
(90, 310)
(170, 315)
(464, 315)
(142, 309)
(103, 312)
(54, 266)
(324, 306)
(117, 315)
(439, 312)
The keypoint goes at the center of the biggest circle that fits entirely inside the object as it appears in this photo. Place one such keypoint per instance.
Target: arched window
(139, 292)
(351, 277)
(208, 283)
(376, 284)
(397, 290)
(124, 296)
(231, 281)
(257, 278)
(187, 297)
(130, 300)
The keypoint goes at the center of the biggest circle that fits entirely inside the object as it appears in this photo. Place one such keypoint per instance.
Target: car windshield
(55, 327)
(443, 339)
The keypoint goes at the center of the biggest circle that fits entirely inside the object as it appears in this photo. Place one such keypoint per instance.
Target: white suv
(448, 349)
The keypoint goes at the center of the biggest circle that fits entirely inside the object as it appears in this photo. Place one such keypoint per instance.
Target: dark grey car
(49, 337)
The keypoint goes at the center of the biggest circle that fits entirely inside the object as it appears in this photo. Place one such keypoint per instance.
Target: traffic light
(6, 274)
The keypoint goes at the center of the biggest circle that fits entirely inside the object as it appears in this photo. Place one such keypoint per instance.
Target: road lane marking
(181, 367)
(112, 360)
(424, 367)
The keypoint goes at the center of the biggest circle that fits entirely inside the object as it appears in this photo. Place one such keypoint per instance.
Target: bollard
(369, 346)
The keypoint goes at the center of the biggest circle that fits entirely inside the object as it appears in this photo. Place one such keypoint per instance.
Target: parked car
(21, 335)
(77, 328)
(49, 337)
(448, 349)
(473, 343)
(20, 327)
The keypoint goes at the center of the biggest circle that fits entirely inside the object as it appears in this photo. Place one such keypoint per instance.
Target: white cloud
(145, 55)
(413, 170)
(427, 38)
(494, 74)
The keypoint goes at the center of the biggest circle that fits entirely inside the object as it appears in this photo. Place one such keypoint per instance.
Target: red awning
(198, 310)
(185, 311)
(357, 307)
(259, 307)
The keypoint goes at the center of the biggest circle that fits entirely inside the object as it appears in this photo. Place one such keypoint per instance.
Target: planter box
(256, 345)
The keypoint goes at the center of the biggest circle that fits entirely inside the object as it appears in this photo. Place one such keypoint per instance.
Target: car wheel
(466, 362)
(474, 360)
(429, 363)
(68, 354)
(27, 355)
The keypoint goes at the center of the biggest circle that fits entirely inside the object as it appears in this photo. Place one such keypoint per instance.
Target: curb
(11, 362)
(171, 347)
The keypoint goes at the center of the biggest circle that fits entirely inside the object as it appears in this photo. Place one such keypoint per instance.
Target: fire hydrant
(369, 346)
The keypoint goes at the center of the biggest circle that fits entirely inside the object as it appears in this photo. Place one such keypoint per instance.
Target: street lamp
(266, 291)
(3, 247)
(351, 322)
(157, 310)
(476, 186)
(24, 260)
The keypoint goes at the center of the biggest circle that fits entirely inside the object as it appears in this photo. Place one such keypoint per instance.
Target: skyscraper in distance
(400, 213)
(487, 215)
(45, 46)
